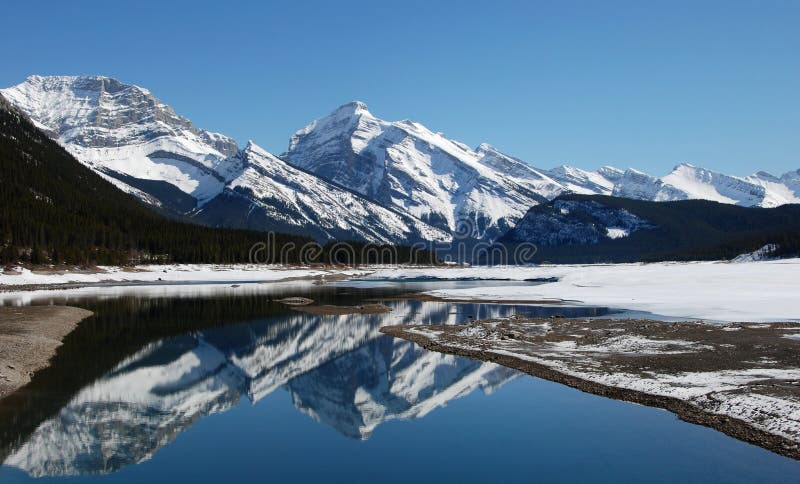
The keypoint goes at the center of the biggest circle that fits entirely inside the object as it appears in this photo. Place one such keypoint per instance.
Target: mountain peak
(634, 171)
(684, 166)
(36, 78)
(764, 175)
(83, 82)
(353, 108)
(485, 148)
(253, 148)
(250, 145)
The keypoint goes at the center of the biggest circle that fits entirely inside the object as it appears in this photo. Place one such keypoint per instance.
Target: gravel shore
(29, 337)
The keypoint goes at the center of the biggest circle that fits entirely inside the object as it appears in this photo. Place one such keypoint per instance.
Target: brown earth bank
(742, 379)
(29, 336)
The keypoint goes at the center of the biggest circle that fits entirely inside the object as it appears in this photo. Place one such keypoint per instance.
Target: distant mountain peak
(83, 82)
(634, 171)
(486, 148)
(252, 146)
(767, 175)
(353, 108)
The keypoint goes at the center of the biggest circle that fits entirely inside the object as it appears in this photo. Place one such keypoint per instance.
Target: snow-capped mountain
(123, 132)
(405, 165)
(269, 194)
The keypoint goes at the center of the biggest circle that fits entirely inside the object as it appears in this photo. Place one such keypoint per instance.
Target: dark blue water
(230, 386)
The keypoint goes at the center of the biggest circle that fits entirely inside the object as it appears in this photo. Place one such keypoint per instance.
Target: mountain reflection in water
(145, 368)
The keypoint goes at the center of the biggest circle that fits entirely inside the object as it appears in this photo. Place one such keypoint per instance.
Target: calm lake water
(213, 383)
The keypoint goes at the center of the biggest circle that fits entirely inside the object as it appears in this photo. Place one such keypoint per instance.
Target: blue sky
(643, 84)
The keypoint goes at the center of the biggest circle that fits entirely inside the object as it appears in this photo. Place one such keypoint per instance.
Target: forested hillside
(597, 228)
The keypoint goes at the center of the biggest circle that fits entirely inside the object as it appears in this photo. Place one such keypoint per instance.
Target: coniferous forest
(683, 230)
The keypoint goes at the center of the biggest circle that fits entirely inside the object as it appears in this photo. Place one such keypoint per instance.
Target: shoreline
(764, 291)
(329, 276)
(26, 280)
(540, 363)
(29, 338)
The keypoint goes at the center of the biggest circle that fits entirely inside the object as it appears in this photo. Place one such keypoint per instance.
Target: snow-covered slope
(778, 191)
(699, 183)
(269, 194)
(641, 186)
(520, 172)
(575, 180)
(117, 128)
(405, 165)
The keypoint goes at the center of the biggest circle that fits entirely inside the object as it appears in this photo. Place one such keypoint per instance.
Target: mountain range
(348, 175)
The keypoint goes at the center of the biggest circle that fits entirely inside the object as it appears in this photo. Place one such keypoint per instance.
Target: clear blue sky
(646, 84)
